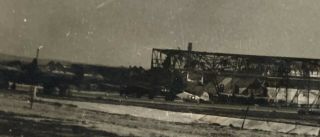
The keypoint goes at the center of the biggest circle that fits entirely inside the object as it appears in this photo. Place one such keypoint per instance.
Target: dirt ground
(54, 119)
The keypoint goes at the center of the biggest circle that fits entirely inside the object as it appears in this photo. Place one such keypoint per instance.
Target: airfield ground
(59, 119)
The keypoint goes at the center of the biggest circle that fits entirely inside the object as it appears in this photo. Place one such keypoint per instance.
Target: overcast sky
(123, 32)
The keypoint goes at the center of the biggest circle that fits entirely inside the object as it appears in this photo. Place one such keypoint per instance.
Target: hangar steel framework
(285, 72)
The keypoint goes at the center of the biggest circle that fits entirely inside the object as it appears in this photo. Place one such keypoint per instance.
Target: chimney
(190, 46)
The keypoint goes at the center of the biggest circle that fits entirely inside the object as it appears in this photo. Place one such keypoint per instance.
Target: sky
(123, 32)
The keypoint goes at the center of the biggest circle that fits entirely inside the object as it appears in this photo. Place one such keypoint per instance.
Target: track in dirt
(235, 111)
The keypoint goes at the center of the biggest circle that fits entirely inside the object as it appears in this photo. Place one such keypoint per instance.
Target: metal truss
(286, 72)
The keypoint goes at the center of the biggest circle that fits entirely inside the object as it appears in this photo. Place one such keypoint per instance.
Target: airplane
(186, 96)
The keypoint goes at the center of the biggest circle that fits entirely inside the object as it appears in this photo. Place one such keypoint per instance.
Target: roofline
(238, 55)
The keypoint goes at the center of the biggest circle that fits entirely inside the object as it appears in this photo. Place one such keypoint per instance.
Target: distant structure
(265, 79)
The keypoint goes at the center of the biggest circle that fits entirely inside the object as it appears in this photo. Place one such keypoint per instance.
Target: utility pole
(189, 56)
(245, 116)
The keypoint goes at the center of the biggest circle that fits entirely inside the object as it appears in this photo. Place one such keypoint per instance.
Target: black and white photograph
(159, 68)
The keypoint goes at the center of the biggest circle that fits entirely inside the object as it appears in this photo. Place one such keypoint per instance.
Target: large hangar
(264, 79)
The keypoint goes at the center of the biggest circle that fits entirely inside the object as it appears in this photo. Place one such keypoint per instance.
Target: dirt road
(54, 119)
